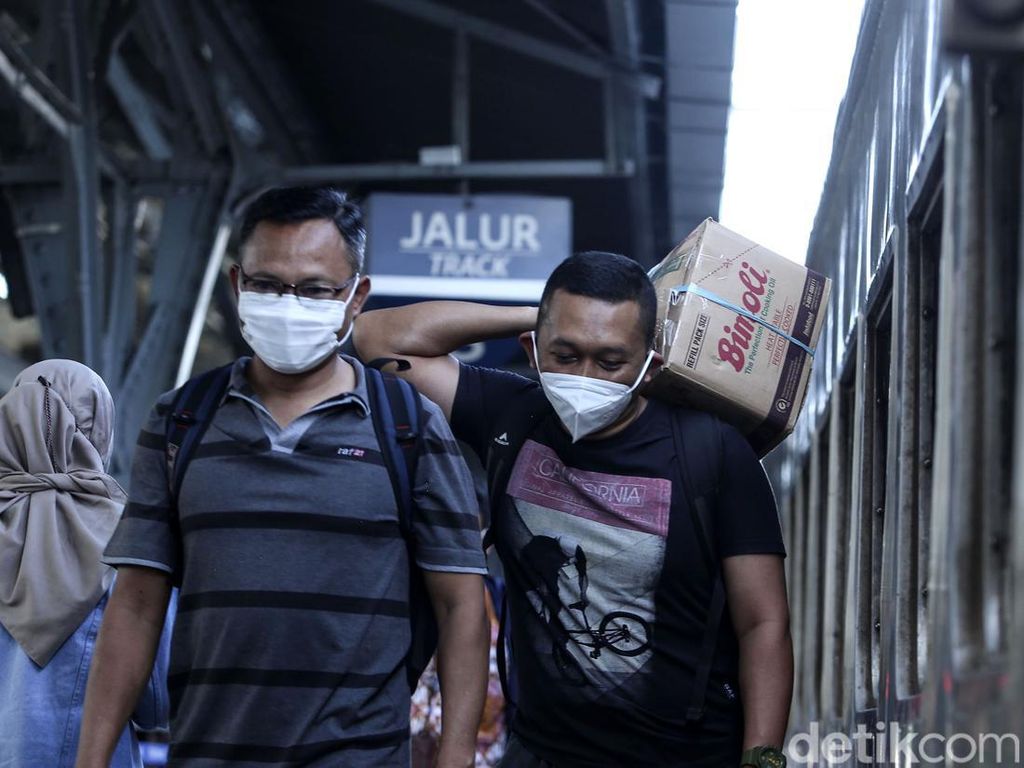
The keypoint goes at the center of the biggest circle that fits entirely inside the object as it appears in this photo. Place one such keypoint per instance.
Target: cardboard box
(737, 326)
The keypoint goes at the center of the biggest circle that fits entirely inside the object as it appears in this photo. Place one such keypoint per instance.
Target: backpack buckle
(185, 418)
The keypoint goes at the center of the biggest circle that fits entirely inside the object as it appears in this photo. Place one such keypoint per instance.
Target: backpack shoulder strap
(398, 418)
(191, 413)
(397, 414)
(698, 444)
(520, 417)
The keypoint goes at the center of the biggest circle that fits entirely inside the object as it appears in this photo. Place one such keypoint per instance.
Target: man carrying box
(641, 542)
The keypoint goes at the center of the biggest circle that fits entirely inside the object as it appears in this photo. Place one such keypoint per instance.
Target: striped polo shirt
(292, 623)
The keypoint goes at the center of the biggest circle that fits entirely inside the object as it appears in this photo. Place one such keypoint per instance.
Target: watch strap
(753, 757)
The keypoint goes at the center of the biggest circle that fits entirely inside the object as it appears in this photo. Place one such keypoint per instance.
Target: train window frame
(814, 564)
(1002, 232)
(797, 580)
(843, 456)
(876, 385)
(988, 228)
(919, 359)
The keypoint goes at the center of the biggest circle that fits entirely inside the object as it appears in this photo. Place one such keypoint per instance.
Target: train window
(920, 325)
(805, 513)
(814, 568)
(796, 560)
(986, 366)
(880, 152)
(871, 514)
(838, 537)
(1001, 221)
(870, 192)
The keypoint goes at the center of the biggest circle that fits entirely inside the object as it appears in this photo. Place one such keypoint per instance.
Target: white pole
(195, 329)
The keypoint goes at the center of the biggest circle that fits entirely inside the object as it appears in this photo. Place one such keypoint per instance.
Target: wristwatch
(763, 757)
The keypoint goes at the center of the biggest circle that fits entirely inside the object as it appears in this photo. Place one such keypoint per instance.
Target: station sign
(478, 247)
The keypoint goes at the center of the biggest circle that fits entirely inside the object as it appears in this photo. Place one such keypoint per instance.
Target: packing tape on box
(706, 294)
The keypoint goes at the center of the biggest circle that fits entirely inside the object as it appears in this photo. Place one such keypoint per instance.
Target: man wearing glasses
(293, 618)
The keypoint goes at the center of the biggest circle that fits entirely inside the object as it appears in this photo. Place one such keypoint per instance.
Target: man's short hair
(288, 205)
(609, 277)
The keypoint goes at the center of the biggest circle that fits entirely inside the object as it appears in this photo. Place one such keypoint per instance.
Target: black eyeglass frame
(296, 288)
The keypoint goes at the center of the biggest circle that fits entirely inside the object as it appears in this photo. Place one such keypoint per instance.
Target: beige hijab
(58, 506)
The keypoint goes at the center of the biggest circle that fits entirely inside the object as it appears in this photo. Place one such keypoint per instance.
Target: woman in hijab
(58, 508)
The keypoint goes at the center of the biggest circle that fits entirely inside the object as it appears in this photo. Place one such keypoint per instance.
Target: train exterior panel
(900, 489)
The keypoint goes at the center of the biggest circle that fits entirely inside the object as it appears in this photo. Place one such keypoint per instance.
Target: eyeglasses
(312, 291)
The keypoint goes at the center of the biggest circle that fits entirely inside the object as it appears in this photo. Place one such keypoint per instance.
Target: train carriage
(900, 488)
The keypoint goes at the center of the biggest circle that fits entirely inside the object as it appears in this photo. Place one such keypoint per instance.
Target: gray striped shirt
(292, 621)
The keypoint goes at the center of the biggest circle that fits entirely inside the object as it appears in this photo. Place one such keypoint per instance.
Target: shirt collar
(239, 386)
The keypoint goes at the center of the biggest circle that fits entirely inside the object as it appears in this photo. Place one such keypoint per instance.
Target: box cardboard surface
(737, 326)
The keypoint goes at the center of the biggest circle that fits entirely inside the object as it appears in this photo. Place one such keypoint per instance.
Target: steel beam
(138, 109)
(25, 76)
(191, 217)
(549, 13)
(460, 95)
(40, 224)
(627, 125)
(504, 169)
(610, 107)
(501, 35)
(34, 88)
(237, 82)
(193, 80)
(14, 174)
(120, 322)
(83, 191)
(145, 177)
(46, 100)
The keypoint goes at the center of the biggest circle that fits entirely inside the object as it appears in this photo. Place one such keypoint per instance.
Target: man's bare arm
(462, 662)
(756, 590)
(427, 332)
(123, 660)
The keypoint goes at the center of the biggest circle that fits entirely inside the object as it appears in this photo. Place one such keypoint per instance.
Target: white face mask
(586, 405)
(289, 335)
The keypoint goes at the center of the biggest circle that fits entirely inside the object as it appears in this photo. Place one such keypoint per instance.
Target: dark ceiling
(131, 132)
(379, 82)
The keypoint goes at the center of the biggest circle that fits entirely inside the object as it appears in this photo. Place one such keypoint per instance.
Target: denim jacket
(41, 707)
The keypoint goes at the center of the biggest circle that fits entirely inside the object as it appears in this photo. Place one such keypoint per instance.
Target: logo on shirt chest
(353, 453)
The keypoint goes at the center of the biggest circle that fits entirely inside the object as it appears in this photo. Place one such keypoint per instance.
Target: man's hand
(756, 591)
(462, 662)
(121, 665)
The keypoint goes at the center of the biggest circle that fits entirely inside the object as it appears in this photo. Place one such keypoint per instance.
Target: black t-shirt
(608, 592)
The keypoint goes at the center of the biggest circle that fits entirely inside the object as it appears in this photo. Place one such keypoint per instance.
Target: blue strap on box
(706, 294)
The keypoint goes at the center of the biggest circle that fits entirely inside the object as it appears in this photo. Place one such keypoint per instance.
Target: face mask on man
(586, 405)
(293, 335)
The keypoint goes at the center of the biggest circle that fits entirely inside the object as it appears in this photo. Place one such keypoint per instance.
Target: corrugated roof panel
(699, 51)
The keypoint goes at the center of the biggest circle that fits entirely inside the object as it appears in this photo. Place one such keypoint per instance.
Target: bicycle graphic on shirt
(619, 632)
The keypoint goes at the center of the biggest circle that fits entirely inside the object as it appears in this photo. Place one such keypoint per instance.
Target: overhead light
(650, 86)
(447, 155)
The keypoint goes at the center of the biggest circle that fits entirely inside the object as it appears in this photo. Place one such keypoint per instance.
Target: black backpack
(397, 427)
(698, 442)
